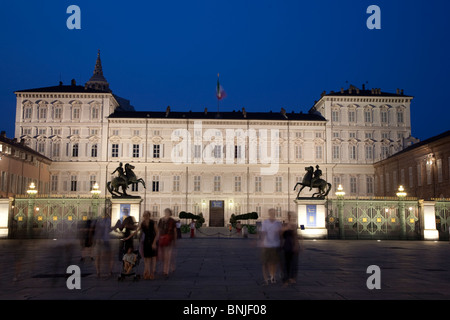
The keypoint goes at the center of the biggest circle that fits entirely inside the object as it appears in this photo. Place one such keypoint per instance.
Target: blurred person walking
(149, 247)
(291, 248)
(167, 239)
(270, 237)
(192, 227)
(102, 244)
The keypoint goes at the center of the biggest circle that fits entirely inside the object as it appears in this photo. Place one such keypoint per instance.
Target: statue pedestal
(123, 207)
(311, 218)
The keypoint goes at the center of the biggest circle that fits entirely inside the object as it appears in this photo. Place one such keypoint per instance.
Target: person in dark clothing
(86, 234)
(149, 231)
(129, 225)
(291, 248)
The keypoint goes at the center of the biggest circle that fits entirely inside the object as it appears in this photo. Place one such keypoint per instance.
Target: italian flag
(220, 93)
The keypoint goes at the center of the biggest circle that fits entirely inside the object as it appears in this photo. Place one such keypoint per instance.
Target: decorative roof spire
(98, 81)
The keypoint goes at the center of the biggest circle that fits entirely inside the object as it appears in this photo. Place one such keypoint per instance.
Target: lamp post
(340, 195)
(401, 194)
(32, 191)
(95, 191)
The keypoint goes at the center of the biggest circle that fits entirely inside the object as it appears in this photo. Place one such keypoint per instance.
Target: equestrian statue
(123, 180)
(312, 179)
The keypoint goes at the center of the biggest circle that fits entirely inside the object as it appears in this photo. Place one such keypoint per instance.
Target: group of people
(156, 240)
(280, 248)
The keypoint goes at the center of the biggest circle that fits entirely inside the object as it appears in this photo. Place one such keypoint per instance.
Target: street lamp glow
(340, 191)
(32, 189)
(95, 189)
(401, 192)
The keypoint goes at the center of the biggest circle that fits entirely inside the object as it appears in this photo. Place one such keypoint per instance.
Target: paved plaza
(221, 268)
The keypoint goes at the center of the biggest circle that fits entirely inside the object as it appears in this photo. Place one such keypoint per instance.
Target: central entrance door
(216, 213)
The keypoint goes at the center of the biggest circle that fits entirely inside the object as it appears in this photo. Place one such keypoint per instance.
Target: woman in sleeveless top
(150, 235)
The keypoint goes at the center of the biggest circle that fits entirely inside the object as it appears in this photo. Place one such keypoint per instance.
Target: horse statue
(312, 180)
(123, 180)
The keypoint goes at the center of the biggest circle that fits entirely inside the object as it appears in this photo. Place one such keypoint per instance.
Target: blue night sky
(270, 54)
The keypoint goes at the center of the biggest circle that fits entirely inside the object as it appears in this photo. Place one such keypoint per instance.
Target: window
(298, 152)
(278, 212)
(237, 152)
(335, 134)
(58, 113)
(94, 151)
(216, 183)
(336, 152)
(176, 183)
(385, 135)
(388, 183)
(156, 133)
(41, 147)
(278, 184)
(54, 183)
(115, 150)
(115, 132)
(335, 115)
(351, 116)
(439, 169)
(318, 134)
(428, 167)
(384, 116)
(318, 150)
(336, 182)
(298, 134)
(258, 210)
(94, 132)
(237, 184)
(156, 151)
(353, 185)
(73, 183)
(410, 174)
(42, 113)
(369, 152)
(400, 117)
(217, 152)
(197, 180)
(75, 131)
(402, 177)
(136, 133)
(352, 135)
(92, 181)
(135, 151)
(384, 151)
(56, 149)
(42, 131)
(75, 150)
(27, 113)
(94, 113)
(135, 187)
(394, 179)
(155, 210)
(353, 152)
(368, 116)
(419, 175)
(399, 136)
(57, 131)
(257, 184)
(155, 184)
(76, 113)
(27, 131)
(197, 151)
(368, 135)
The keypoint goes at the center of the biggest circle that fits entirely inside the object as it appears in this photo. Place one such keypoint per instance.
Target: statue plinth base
(122, 207)
(311, 216)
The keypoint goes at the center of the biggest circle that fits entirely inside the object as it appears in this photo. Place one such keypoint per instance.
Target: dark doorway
(216, 213)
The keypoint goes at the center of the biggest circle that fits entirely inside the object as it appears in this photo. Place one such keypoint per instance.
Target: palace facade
(208, 162)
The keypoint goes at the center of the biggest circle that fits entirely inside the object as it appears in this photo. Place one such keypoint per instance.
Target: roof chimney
(357, 90)
(363, 86)
(60, 83)
(244, 112)
(342, 90)
(401, 92)
(372, 91)
(167, 111)
(206, 110)
(398, 91)
(73, 83)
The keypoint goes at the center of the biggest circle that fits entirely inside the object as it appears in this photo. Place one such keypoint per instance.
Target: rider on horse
(121, 173)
